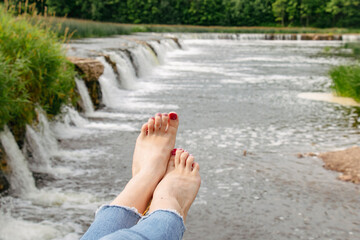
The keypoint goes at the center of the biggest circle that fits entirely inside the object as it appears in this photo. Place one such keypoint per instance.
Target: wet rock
(4, 184)
(322, 37)
(176, 40)
(90, 70)
(346, 161)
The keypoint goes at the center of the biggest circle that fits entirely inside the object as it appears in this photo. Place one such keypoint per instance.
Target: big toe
(173, 123)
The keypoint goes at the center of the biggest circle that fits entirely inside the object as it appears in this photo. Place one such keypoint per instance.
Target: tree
(279, 9)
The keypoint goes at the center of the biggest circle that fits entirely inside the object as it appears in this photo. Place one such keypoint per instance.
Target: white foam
(12, 229)
(84, 94)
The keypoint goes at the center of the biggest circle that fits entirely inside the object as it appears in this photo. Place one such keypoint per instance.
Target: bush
(34, 70)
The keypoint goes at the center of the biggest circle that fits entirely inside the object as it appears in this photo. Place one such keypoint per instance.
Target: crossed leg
(151, 157)
(171, 202)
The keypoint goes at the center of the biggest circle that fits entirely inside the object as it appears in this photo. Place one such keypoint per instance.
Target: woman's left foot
(154, 144)
(150, 160)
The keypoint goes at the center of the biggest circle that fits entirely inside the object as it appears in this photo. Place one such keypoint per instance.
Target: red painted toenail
(153, 118)
(173, 152)
(158, 114)
(173, 116)
(165, 114)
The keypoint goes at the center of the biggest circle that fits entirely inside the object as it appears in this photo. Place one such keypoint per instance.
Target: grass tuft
(346, 81)
(34, 70)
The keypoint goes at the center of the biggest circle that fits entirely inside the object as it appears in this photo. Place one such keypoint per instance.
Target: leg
(151, 156)
(171, 202)
(159, 225)
(110, 219)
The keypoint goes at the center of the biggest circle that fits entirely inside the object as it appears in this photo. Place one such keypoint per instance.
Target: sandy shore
(346, 161)
(329, 97)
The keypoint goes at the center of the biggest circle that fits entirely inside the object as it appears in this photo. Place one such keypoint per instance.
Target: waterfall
(71, 117)
(21, 179)
(84, 94)
(42, 143)
(144, 59)
(159, 50)
(69, 124)
(109, 86)
(125, 70)
(40, 156)
(351, 38)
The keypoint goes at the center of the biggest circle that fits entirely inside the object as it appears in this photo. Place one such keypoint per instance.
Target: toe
(151, 123)
(189, 163)
(177, 156)
(144, 130)
(196, 168)
(164, 121)
(157, 124)
(183, 158)
(173, 123)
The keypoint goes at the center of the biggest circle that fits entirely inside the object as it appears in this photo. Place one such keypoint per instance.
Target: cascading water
(42, 144)
(159, 50)
(125, 69)
(109, 86)
(21, 179)
(41, 161)
(85, 97)
(144, 59)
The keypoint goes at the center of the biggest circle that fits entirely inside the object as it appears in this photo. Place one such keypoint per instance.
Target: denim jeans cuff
(171, 211)
(130, 209)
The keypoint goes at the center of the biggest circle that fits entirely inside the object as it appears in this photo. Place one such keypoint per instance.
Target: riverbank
(346, 78)
(346, 161)
(86, 28)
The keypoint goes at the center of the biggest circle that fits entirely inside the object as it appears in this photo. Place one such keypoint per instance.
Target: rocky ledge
(346, 161)
(90, 70)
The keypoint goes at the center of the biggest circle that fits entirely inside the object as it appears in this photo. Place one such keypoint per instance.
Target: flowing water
(231, 96)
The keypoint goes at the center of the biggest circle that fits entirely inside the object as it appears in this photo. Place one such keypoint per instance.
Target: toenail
(153, 118)
(158, 114)
(173, 116)
(173, 152)
(165, 114)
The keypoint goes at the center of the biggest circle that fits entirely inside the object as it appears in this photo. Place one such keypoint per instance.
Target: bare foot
(150, 161)
(154, 144)
(180, 185)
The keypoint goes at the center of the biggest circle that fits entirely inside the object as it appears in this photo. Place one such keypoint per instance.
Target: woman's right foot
(180, 185)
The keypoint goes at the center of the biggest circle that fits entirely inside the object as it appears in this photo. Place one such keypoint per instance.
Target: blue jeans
(115, 222)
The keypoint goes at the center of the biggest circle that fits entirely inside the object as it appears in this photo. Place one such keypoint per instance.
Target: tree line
(314, 13)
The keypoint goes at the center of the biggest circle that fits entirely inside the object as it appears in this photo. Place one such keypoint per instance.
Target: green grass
(86, 28)
(34, 71)
(346, 81)
(77, 28)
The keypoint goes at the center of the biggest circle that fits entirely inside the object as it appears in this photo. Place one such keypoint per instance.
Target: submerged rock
(346, 161)
(90, 70)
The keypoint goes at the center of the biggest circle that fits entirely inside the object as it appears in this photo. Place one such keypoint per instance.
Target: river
(231, 96)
